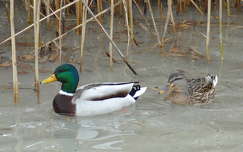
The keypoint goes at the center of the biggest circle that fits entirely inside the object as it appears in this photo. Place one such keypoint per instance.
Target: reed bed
(86, 11)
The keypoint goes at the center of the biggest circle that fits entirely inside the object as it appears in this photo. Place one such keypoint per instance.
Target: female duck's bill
(90, 99)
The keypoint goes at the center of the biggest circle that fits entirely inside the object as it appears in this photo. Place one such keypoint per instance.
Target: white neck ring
(65, 93)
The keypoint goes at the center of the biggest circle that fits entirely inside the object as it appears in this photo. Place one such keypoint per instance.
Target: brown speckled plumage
(185, 90)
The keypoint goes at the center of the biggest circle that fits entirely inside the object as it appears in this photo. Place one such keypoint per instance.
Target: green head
(67, 74)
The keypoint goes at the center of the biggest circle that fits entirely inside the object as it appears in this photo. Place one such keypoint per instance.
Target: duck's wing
(103, 91)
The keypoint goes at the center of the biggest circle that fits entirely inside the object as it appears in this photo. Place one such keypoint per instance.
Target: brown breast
(62, 104)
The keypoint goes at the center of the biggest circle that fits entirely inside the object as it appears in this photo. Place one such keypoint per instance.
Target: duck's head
(67, 74)
(212, 79)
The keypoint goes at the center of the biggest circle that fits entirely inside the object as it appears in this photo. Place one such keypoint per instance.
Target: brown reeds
(111, 33)
(28, 4)
(14, 62)
(36, 12)
(108, 36)
(47, 6)
(42, 19)
(130, 17)
(128, 27)
(221, 45)
(99, 9)
(154, 24)
(82, 39)
(60, 29)
(160, 7)
(168, 18)
(197, 7)
(79, 12)
(208, 31)
(228, 7)
(78, 26)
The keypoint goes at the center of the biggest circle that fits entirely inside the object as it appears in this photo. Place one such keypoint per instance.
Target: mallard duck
(90, 99)
(181, 89)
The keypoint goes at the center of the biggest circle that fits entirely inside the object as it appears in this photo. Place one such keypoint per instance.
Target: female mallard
(184, 90)
(90, 99)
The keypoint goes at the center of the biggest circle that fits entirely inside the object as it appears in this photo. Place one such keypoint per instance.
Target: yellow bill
(159, 90)
(50, 79)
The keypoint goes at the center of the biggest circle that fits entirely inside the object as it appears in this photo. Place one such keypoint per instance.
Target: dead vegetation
(57, 13)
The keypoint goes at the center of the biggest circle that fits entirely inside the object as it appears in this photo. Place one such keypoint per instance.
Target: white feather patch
(140, 92)
(65, 93)
(90, 108)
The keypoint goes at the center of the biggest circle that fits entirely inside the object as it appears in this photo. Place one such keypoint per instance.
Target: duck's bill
(50, 79)
(160, 90)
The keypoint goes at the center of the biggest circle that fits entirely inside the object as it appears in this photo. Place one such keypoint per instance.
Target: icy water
(152, 124)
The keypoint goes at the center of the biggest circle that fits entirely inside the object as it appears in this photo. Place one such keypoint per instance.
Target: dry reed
(128, 27)
(99, 9)
(111, 33)
(108, 36)
(208, 31)
(60, 29)
(30, 26)
(36, 12)
(47, 5)
(130, 17)
(82, 39)
(154, 24)
(199, 10)
(79, 12)
(221, 45)
(14, 62)
(168, 17)
(228, 7)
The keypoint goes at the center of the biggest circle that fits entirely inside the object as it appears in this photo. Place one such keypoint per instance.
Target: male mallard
(184, 90)
(90, 99)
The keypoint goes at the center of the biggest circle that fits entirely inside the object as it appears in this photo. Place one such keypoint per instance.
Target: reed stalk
(130, 17)
(141, 12)
(154, 24)
(199, 10)
(83, 34)
(7, 9)
(111, 33)
(128, 27)
(99, 9)
(171, 14)
(68, 10)
(166, 22)
(221, 45)
(28, 3)
(79, 11)
(36, 12)
(57, 6)
(160, 7)
(228, 7)
(208, 31)
(108, 36)
(14, 63)
(47, 4)
(60, 30)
